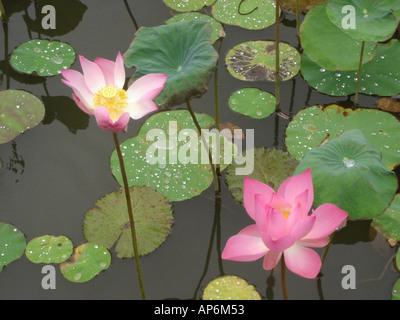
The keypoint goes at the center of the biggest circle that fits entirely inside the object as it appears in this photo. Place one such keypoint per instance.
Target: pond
(53, 174)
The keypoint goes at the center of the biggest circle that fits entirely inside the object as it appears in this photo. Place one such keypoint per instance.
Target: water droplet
(349, 163)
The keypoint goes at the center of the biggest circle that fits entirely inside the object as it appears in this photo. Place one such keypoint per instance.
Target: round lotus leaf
(348, 172)
(108, 222)
(230, 288)
(248, 14)
(380, 76)
(373, 21)
(255, 61)
(182, 51)
(396, 290)
(304, 5)
(389, 222)
(169, 155)
(314, 125)
(329, 46)
(19, 111)
(271, 166)
(252, 102)
(12, 244)
(217, 28)
(87, 261)
(43, 57)
(188, 5)
(49, 249)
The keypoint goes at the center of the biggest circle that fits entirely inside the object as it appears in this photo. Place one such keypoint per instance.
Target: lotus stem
(359, 75)
(298, 17)
(131, 15)
(3, 13)
(216, 95)
(283, 278)
(196, 123)
(277, 54)
(131, 219)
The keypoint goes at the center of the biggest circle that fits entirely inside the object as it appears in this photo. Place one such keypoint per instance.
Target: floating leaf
(380, 76)
(42, 57)
(396, 290)
(12, 244)
(19, 111)
(252, 102)
(183, 52)
(248, 14)
(271, 166)
(313, 125)
(328, 46)
(87, 261)
(304, 5)
(373, 21)
(388, 104)
(389, 222)
(255, 61)
(230, 288)
(217, 28)
(188, 5)
(49, 249)
(169, 155)
(348, 172)
(108, 222)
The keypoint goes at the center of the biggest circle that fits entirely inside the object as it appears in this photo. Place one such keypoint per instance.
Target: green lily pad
(255, 61)
(230, 288)
(12, 244)
(374, 22)
(182, 51)
(108, 222)
(329, 46)
(19, 111)
(87, 261)
(217, 28)
(380, 76)
(252, 102)
(248, 14)
(396, 290)
(271, 166)
(49, 249)
(314, 125)
(348, 172)
(188, 5)
(172, 158)
(43, 57)
(389, 222)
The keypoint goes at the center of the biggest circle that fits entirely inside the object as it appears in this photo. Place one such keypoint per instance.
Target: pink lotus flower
(283, 226)
(99, 92)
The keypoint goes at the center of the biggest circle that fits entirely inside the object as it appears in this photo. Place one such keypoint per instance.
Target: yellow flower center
(114, 99)
(286, 213)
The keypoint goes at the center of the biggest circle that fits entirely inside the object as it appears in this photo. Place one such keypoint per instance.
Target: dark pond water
(53, 174)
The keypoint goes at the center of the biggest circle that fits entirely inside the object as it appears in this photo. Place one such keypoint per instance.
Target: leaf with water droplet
(188, 5)
(217, 28)
(19, 111)
(255, 61)
(271, 166)
(12, 244)
(380, 128)
(396, 288)
(188, 60)
(389, 222)
(87, 261)
(252, 102)
(108, 222)
(248, 14)
(348, 171)
(328, 46)
(42, 57)
(49, 249)
(374, 21)
(230, 288)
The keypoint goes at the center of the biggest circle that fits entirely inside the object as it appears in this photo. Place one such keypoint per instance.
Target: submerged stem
(359, 75)
(277, 58)
(196, 123)
(283, 278)
(131, 219)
